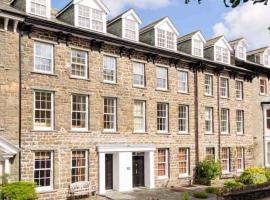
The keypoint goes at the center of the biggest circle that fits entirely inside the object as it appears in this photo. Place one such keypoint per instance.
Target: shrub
(213, 190)
(19, 191)
(267, 174)
(185, 196)
(232, 183)
(253, 175)
(208, 170)
(200, 195)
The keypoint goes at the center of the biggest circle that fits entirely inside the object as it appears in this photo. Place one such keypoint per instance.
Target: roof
(127, 12)
(152, 25)
(257, 51)
(211, 42)
(8, 148)
(6, 7)
(236, 40)
(186, 37)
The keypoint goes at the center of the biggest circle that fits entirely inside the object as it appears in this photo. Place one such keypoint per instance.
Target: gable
(95, 4)
(222, 42)
(131, 15)
(199, 36)
(167, 25)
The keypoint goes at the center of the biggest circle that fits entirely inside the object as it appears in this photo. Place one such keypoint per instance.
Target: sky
(211, 17)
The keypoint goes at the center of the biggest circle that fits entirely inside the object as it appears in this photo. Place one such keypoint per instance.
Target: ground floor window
(43, 172)
(163, 163)
(239, 159)
(225, 160)
(79, 166)
(210, 153)
(267, 154)
(183, 159)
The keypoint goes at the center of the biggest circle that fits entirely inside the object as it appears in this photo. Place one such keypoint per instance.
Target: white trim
(114, 114)
(179, 81)
(86, 163)
(144, 116)
(110, 148)
(166, 176)
(85, 64)
(187, 119)
(167, 19)
(187, 164)
(166, 118)
(228, 150)
(48, 9)
(211, 85)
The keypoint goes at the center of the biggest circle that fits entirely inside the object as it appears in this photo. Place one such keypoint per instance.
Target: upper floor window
(239, 90)
(90, 18)
(79, 112)
(263, 87)
(162, 78)
(183, 118)
(138, 74)
(109, 115)
(79, 64)
(39, 7)
(165, 39)
(208, 84)
(198, 48)
(183, 81)
(222, 54)
(224, 87)
(109, 69)
(240, 122)
(79, 166)
(43, 57)
(139, 116)
(162, 117)
(242, 52)
(224, 121)
(43, 110)
(130, 31)
(209, 120)
(43, 170)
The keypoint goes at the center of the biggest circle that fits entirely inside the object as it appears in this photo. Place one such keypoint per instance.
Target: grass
(200, 195)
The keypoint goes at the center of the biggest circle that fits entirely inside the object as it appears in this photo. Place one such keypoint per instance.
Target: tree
(235, 3)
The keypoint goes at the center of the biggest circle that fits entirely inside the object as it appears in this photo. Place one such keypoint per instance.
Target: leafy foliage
(213, 190)
(200, 195)
(208, 170)
(185, 196)
(235, 3)
(254, 175)
(232, 183)
(267, 174)
(19, 191)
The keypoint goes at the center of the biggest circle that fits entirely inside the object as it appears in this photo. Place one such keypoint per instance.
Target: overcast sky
(211, 17)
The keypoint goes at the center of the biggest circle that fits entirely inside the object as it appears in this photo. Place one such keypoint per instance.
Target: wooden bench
(82, 188)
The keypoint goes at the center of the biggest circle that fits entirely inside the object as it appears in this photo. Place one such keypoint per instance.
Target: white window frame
(85, 64)
(39, 128)
(239, 91)
(182, 82)
(125, 28)
(86, 164)
(186, 124)
(187, 163)
(264, 86)
(113, 130)
(267, 151)
(225, 88)
(197, 47)
(136, 64)
(241, 49)
(90, 18)
(47, 5)
(143, 117)
(222, 55)
(240, 122)
(208, 84)
(166, 117)
(106, 68)
(165, 39)
(86, 113)
(242, 159)
(51, 59)
(45, 188)
(225, 120)
(166, 164)
(227, 171)
(209, 112)
(266, 130)
(158, 77)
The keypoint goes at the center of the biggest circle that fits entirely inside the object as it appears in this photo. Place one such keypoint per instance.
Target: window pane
(239, 90)
(38, 7)
(84, 16)
(239, 158)
(97, 20)
(161, 37)
(198, 47)
(130, 29)
(210, 153)
(240, 121)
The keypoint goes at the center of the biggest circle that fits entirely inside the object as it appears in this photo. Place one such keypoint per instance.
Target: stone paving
(154, 194)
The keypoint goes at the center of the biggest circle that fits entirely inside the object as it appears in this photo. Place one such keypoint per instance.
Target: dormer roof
(213, 41)
(125, 14)
(237, 41)
(157, 23)
(258, 51)
(99, 2)
(190, 35)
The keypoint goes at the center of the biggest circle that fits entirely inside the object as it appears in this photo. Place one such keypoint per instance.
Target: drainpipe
(196, 111)
(20, 102)
(218, 103)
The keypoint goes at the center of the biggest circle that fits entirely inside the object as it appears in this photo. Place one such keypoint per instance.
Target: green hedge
(208, 170)
(254, 175)
(19, 191)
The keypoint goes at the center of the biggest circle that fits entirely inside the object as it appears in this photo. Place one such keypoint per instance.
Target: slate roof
(186, 37)
(256, 51)
(211, 42)
(150, 26)
(6, 7)
(118, 16)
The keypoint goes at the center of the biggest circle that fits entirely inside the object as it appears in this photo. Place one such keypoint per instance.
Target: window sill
(239, 99)
(111, 132)
(139, 87)
(163, 133)
(225, 98)
(162, 178)
(240, 134)
(184, 93)
(2, 129)
(79, 131)
(162, 90)
(45, 190)
(184, 177)
(79, 78)
(209, 133)
(43, 131)
(183, 133)
(140, 133)
(109, 83)
(44, 73)
(208, 95)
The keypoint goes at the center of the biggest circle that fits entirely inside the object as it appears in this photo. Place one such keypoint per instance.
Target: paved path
(146, 194)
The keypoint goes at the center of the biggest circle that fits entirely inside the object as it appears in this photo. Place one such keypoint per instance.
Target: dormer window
(130, 29)
(222, 54)
(90, 18)
(38, 7)
(267, 58)
(241, 52)
(165, 39)
(198, 48)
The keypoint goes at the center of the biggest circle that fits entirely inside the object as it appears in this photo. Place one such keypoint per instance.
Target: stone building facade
(83, 105)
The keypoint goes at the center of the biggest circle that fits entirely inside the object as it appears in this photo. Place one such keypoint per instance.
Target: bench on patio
(82, 188)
